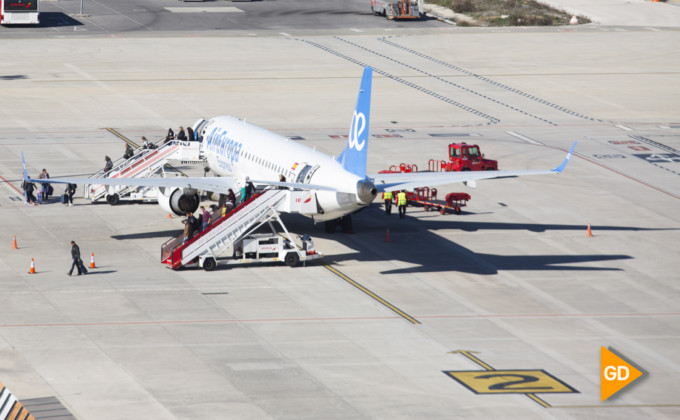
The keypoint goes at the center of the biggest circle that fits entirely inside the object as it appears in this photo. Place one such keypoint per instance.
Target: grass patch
(510, 12)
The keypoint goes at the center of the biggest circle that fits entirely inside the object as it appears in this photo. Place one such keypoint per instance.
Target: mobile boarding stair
(204, 249)
(146, 163)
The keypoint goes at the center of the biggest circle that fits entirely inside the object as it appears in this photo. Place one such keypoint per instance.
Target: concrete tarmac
(412, 328)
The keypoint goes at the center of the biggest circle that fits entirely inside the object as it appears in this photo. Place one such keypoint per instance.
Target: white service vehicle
(20, 12)
(398, 9)
(265, 248)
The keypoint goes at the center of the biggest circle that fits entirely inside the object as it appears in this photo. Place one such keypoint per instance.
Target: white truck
(398, 9)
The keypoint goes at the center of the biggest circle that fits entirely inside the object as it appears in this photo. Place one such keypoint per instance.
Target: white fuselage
(239, 149)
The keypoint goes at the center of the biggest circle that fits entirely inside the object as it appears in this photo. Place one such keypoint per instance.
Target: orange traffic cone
(387, 236)
(32, 270)
(92, 261)
(169, 216)
(14, 243)
(589, 233)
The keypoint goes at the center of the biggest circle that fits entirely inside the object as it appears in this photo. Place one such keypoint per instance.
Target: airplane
(236, 150)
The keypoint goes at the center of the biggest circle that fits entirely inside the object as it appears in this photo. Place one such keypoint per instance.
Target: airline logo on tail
(353, 157)
(357, 130)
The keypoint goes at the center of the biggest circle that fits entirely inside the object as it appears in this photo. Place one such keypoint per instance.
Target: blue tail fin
(353, 157)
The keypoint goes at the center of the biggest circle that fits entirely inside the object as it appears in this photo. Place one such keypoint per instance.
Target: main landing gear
(345, 223)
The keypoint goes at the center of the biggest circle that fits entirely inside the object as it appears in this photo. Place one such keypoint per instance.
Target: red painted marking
(10, 184)
(341, 319)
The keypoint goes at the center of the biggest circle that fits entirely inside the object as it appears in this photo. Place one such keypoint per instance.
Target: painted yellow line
(385, 303)
(122, 137)
(538, 400)
(476, 360)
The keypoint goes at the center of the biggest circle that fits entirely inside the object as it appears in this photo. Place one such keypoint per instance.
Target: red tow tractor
(463, 157)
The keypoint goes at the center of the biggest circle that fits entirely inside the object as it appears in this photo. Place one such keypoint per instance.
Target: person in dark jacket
(231, 200)
(70, 190)
(181, 135)
(170, 136)
(108, 164)
(128, 151)
(250, 189)
(28, 190)
(77, 262)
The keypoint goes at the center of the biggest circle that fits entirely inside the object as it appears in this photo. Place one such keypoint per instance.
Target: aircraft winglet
(560, 168)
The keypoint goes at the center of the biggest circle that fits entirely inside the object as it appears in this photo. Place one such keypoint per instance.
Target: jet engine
(179, 201)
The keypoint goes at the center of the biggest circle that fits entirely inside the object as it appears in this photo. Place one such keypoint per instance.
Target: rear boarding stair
(146, 163)
(204, 248)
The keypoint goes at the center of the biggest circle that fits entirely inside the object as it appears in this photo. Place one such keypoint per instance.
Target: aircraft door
(301, 172)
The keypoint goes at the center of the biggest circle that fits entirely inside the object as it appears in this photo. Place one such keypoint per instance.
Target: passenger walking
(190, 134)
(181, 135)
(250, 189)
(45, 188)
(231, 199)
(387, 196)
(401, 203)
(146, 144)
(77, 262)
(28, 192)
(189, 227)
(242, 197)
(170, 136)
(70, 191)
(108, 165)
(224, 209)
(205, 214)
(128, 151)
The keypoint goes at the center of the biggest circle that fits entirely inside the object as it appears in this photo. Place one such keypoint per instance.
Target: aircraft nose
(366, 191)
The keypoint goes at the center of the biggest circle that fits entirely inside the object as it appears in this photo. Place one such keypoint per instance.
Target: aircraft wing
(220, 185)
(408, 181)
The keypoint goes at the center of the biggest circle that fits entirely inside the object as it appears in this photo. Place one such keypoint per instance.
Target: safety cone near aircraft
(32, 270)
(387, 236)
(169, 216)
(589, 232)
(92, 261)
(14, 243)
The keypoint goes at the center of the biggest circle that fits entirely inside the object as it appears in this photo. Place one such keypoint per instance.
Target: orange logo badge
(616, 372)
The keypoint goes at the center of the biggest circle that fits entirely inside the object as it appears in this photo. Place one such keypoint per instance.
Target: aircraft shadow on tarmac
(412, 242)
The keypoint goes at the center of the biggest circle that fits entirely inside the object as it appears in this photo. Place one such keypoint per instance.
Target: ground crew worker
(387, 196)
(401, 204)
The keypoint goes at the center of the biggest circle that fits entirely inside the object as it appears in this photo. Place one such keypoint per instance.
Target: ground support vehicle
(398, 9)
(463, 157)
(20, 12)
(427, 197)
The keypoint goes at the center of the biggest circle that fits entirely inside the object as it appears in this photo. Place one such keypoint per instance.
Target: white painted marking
(355, 30)
(654, 29)
(664, 127)
(203, 9)
(623, 127)
(284, 34)
(524, 138)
